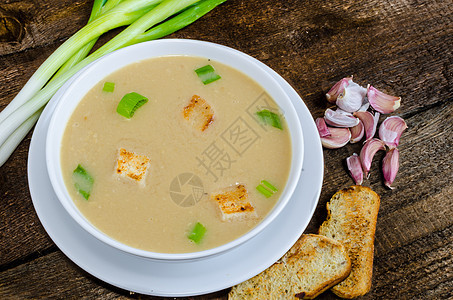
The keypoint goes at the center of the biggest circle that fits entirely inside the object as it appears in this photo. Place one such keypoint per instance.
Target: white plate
(187, 278)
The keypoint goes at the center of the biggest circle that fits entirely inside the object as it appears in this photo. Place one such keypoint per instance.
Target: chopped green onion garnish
(83, 181)
(109, 87)
(207, 74)
(268, 185)
(270, 118)
(130, 103)
(197, 233)
(264, 191)
(266, 188)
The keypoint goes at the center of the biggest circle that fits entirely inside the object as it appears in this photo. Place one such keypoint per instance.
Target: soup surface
(187, 164)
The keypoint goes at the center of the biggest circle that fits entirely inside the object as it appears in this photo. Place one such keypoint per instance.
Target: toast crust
(199, 113)
(233, 203)
(131, 165)
(351, 219)
(314, 264)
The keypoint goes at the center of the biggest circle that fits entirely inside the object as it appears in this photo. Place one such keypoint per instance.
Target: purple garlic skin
(369, 122)
(323, 130)
(382, 102)
(337, 89)
(355, 168)
(391, 129)
(390, 166)
(357, 133)
(338, 138)
(352, 97)
(367, 153)
(339, 118)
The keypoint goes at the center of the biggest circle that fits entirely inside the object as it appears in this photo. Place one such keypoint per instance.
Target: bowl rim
(166, 47)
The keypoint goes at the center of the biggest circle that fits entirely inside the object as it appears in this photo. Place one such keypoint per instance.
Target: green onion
(109, 87)
(11, 143)
(147, 20)
(264, 191)
(130, 103)
(197, 233)
(266, 188)
(83, 181)
(270, 186)
(270, 118)
(207, 74)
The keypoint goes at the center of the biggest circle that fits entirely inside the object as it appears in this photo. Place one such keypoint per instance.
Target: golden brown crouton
(233, 203)
(132, 165)
(199, 113)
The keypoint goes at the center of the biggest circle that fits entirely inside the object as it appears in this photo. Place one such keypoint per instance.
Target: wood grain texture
(401, 47)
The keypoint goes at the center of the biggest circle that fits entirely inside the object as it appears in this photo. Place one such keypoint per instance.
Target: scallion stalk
(99, 7)
(186, 17)
(11, 143)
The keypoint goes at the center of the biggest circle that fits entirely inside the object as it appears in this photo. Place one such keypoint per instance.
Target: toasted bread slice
(199, 113)
(131, 165)
(233, 203)
(351, 219)
(314, 264)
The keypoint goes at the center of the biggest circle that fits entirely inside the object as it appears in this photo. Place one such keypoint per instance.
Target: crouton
(233, 203)
(131, 165)
(199, 113)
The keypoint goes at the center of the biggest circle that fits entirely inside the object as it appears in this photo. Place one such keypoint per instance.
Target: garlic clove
(357, 133)
(339, 118)
(368, 151)
(369, 122)
(323, 130)
(355, 168)
(338, 138)
(382, 102)
(352, 97)
(390, 166)
(338, 88)
(365, 106)
(390, 131)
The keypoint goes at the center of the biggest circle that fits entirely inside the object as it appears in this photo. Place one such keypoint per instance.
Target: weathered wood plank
(31, 24)
(55, 277)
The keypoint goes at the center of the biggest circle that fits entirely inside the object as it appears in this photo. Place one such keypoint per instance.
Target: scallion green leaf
(197, 233)
(83, 181)
(264, 191)
(130, 103)
(207, 74)
(266, 188)
(270, 186)
(270, 118)
(109, 87)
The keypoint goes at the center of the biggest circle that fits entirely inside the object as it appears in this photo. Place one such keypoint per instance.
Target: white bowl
(91, 75)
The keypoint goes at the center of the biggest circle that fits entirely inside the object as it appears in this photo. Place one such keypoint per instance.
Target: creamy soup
(188, 163)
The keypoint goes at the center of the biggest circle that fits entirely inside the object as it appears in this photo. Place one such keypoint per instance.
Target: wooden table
(401, 47)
